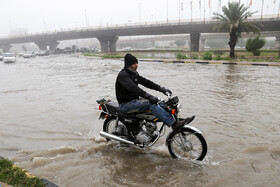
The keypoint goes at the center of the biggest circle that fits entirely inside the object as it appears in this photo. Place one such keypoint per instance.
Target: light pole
(262, 10)
(204, 11)
(167, 11)
(179, 11)
(140, 12)
(278, 10)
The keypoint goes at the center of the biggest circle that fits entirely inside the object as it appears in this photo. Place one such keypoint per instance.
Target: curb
(45, 181)
(214, 62)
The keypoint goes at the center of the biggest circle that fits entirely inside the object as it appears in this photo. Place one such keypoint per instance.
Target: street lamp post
(279, 10)
(262, 10)
(167, 11)
(140, 12)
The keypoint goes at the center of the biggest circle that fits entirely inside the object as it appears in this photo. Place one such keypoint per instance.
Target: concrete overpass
(109, 35)
(203, 37)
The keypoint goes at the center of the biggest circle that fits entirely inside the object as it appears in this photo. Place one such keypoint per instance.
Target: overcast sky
(48, 15)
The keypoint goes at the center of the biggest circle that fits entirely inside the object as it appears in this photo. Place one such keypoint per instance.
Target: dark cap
(129, 59)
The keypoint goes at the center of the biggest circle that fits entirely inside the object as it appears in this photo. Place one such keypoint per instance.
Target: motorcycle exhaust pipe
(114, 137)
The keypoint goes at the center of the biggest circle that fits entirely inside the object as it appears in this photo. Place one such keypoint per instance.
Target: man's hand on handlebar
(165, 91)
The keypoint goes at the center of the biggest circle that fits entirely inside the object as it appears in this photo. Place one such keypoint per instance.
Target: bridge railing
(133, 25)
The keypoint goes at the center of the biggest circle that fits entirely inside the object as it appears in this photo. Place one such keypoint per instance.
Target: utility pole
(10, 26)
(167, 11)
(204, 11)
(179, 11)
(262, 10)
(278, 10)
(86, 19)
(140, 12)
(44, 23)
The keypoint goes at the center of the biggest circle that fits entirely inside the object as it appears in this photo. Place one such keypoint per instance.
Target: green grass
(13, 175)
(267, 55)
(111, 56)
(103, 55)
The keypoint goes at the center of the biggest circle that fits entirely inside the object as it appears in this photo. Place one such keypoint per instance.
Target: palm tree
(233, 18)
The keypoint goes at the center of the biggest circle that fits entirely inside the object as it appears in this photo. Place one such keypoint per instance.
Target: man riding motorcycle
(128, 93)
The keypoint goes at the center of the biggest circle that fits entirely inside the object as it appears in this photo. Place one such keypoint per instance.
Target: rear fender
(102, 115)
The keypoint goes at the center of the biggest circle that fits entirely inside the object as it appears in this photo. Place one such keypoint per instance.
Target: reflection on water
(49, 123)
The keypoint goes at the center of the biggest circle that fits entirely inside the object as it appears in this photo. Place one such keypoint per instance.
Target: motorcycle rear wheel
(109, 125)
(187, 144)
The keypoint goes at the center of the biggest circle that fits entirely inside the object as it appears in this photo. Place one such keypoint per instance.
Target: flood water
(49, 123)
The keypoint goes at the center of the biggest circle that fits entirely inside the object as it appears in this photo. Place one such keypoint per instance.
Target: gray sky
(50, 15)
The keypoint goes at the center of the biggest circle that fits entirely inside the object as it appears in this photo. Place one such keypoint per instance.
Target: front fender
(185, 127)
(193, 128)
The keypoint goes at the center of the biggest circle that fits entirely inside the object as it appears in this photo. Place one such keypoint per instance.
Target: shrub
(253, 45)
(218, 57)
(218, 52)
(181, 56)
(193, 57)
(256, 52)
(207, 56)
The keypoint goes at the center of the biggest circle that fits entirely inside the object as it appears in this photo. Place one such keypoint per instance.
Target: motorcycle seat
(127, 115)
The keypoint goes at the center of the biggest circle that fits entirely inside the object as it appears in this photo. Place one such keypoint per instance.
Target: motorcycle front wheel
(187, 144)
(109, 125)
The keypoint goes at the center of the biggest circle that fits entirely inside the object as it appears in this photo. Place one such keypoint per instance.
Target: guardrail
(137, 24)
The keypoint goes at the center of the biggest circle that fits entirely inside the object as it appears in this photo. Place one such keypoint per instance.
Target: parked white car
(9, 57)
(29, 54)
(1, 57)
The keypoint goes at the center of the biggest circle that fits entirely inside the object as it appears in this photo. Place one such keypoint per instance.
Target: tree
(233, 19)
(254, 45)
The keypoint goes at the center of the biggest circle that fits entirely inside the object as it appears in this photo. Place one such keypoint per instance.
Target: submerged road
(49, 123)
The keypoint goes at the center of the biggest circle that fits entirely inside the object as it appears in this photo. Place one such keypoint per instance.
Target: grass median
(15, 176)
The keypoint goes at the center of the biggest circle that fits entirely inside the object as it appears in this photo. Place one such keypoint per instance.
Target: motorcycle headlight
(179, 108)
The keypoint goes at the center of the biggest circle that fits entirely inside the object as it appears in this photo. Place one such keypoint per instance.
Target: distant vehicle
(68, 50)
(29, 54)
(21, 54)
(84, 50)
(1, 57)
(9, 57)
(43, 53)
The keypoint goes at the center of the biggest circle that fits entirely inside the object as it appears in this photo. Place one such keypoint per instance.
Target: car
(9, 58)
(1, 57)
(43, 53)
(84, 50)
(29, 54)
(21, 54)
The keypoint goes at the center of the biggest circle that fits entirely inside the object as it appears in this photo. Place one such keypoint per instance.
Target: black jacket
(127, 86)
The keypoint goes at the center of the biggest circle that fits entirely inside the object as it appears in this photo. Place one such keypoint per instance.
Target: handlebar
(164, 101)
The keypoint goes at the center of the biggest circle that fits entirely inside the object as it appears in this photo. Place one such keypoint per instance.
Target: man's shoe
(176, 127)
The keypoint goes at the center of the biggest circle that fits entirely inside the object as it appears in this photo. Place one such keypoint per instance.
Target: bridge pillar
(44, 45)
(202, 43)
(195, 36)
(108, 43)
(104, 44)
(277, 45)
(113, 43)
(153, 43)
(6, 48)
(53, 45)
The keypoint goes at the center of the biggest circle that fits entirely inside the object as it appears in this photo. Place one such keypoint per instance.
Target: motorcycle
(141, 129)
